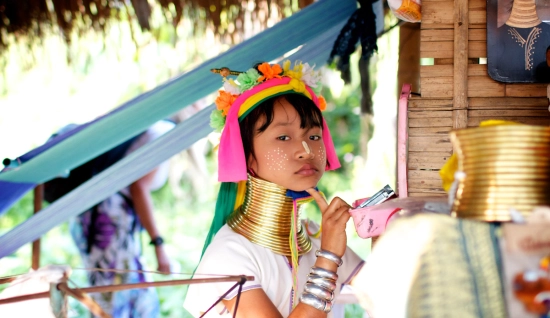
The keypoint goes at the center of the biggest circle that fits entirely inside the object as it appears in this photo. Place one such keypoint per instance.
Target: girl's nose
(306, 152)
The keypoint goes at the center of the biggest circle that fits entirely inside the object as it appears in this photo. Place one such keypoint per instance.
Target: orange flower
(322, 103)
(224, 101)
(269, 71)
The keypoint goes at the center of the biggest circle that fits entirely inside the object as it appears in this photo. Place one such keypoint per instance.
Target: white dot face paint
(320, 154)
(276, 160)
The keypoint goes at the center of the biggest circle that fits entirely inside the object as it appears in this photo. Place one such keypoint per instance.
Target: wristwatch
(157, 241)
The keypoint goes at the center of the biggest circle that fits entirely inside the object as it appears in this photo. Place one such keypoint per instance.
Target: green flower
(317, 89)
(248, 79)
(217, 120)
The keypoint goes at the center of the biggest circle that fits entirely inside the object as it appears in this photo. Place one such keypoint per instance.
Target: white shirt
(232, 254)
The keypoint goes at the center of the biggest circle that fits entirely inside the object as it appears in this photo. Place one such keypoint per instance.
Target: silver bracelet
(324, 273)
(321, 281)
(328, 306)
(330, 256)
(319, 291)
(316, 302)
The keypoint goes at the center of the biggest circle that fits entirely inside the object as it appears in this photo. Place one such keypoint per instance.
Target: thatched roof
(32, 18)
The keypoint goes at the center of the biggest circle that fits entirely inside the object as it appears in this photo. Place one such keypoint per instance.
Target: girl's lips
(307, 170)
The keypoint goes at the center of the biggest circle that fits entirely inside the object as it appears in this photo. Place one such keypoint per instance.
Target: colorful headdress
(249, 90)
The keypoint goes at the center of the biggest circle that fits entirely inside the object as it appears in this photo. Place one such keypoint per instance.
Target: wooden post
(460, 67)
(402, 140)
(38, 198)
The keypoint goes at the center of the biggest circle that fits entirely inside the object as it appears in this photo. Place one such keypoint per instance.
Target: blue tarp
(313, 29)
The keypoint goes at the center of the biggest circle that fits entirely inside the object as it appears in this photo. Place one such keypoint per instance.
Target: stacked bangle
(316, 303)
(330, 256)
(319, 289)
(324, 273)
(321, 281)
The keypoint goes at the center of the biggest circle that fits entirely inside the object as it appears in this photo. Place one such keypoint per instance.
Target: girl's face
(280, 155)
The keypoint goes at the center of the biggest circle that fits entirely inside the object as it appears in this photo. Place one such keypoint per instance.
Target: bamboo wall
(457, 92)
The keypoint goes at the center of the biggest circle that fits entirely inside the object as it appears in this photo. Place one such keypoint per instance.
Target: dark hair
(310, 116)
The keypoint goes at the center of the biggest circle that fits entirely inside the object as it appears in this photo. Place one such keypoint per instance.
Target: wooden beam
(460, 66)
(443, 35)
(526, 90)
(508, 103)
(38, 198)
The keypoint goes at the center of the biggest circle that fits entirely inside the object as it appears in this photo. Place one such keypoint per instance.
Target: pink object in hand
(372, 220)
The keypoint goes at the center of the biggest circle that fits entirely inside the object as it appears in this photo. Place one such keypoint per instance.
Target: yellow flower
(224, 101)
(297, 85)
(296, 72)
(269, 71)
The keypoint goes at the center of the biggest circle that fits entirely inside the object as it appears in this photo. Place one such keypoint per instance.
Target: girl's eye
(283, 138)
(315, 137)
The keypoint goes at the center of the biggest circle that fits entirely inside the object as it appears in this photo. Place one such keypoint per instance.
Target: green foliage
(342, 117)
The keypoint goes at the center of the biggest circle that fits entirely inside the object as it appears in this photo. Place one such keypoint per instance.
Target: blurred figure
(107, 235)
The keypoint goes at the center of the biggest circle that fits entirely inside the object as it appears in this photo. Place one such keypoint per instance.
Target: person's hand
(334, 218)
(162, 259)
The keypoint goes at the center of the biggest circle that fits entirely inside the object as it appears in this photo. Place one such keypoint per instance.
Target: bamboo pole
(460, 67)
(5, 280)
(92, 306)
(38, 198)
(113, 288)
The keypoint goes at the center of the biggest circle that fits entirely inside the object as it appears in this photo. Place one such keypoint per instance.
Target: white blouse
(232, 254)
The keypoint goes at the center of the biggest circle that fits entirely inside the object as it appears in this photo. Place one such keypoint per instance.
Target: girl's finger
(321, 202)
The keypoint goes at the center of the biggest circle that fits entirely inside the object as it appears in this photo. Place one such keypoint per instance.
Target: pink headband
(231, 157)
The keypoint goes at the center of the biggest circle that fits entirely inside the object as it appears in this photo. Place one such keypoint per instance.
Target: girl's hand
(334, 218)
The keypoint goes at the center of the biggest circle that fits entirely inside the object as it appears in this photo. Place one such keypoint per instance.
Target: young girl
(275, 147)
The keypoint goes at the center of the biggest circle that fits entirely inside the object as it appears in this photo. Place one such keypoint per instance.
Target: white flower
(231, 87)
(309, 76)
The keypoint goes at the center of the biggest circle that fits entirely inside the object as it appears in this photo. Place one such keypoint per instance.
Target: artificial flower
(296, 72)
(317, 90)
(224, 101)
(269, 71)
(297, 85)
(217, 120)
(322, 103)
(231, 87)
(310, 77)
(248, 79)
